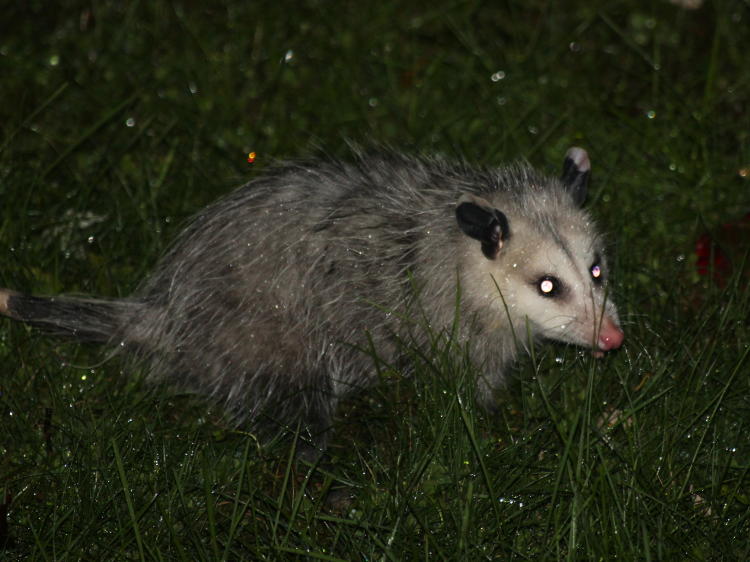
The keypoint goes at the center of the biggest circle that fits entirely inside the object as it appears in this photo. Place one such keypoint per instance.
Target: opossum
(273, 300)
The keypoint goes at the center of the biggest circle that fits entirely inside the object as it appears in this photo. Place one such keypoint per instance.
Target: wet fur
(266, 300)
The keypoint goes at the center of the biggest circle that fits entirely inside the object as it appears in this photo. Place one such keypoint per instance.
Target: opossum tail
(85, 319)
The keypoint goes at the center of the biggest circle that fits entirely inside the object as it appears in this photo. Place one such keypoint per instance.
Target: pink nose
(610, 335)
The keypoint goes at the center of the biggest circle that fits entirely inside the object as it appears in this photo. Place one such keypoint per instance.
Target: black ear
(478, 219)
(575, 173)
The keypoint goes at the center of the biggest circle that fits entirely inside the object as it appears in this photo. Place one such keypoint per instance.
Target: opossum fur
(267, 299)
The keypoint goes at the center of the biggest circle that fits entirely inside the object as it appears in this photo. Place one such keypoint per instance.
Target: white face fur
(541, 265)
(555, 281)
(549, 280)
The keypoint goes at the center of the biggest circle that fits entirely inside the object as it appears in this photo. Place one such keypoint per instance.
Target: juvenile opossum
(268, 298)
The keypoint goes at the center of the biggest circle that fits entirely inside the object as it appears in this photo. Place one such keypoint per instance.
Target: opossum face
(545, 267)
(559, 285)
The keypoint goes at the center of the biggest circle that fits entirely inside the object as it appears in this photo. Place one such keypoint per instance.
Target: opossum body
(266, 301)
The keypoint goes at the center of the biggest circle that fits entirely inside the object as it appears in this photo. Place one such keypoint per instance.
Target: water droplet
(510, 501)
(193, 87)
(54, 60)
(289, 55)
(130, 122)
(651, 114)
(90, 239)
(373, 102)
(497, 76)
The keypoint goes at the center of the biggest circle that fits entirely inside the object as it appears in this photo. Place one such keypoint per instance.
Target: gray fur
(267, 298)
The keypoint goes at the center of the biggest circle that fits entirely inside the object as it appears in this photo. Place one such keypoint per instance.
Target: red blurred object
(718, 255)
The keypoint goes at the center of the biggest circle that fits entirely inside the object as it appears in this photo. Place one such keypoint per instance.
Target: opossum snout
(610, 335)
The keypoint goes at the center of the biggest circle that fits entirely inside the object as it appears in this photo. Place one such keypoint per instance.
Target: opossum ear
(575, 173)
(478, 219)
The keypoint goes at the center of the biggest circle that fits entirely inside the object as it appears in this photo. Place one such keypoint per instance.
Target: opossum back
(271, 278)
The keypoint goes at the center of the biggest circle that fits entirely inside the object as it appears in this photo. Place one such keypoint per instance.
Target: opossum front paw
(310, 452)
(486, 398)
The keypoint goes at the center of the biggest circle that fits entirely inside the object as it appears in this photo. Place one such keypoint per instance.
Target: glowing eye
(549, 286)
(546, 286)
(596, 271)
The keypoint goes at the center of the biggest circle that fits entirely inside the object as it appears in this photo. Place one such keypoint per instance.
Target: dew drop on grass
(130, 122)
(651, 114)
(497, 76)
(510, 501)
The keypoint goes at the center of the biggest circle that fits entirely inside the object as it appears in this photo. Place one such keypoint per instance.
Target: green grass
(119, 123)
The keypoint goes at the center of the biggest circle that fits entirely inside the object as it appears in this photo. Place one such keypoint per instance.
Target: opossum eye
(596, 273)
(548, 286)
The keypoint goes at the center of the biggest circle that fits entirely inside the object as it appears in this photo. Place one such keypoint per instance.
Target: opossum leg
(311, 450)
(318, 426)
(486, 391)
(310, 420)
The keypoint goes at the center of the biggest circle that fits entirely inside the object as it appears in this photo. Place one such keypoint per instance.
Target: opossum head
(539, 263)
